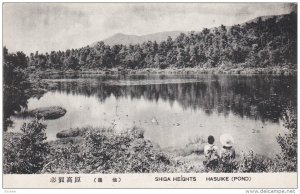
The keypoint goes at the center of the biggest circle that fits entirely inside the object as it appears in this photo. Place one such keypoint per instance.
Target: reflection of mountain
(256, 97)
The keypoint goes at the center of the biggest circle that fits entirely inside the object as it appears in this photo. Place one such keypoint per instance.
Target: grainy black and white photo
(122, 88)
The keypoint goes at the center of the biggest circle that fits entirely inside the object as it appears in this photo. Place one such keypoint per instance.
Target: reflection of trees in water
(256, 97)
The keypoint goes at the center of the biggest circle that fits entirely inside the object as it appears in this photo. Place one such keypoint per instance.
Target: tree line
(261, 43)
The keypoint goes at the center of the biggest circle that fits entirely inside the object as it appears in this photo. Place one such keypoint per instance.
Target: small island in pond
(47, 113)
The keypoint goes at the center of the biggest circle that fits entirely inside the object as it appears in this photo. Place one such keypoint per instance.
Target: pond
(173, 109)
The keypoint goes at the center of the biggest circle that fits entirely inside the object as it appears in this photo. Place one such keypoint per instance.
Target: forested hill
(263, 42)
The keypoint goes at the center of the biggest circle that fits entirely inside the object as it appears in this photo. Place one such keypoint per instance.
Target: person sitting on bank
(211, 153)
(227, 153)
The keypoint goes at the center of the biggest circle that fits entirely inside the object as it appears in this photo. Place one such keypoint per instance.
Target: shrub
(11, 152)
(125, 152)
(288, 142)
(26, 153)
(65, 156)
(253, 163)
(105, 151)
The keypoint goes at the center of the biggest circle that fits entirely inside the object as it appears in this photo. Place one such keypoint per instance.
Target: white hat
(226, 140)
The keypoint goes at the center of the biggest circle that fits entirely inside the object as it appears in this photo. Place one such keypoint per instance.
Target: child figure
(227, 154)
(211, 154)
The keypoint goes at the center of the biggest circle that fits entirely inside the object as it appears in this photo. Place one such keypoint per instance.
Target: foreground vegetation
(99, 150)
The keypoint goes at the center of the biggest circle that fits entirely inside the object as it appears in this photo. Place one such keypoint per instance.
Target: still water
(173, 109)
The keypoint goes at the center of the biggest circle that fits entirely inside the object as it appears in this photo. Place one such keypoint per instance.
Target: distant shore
(193, 71)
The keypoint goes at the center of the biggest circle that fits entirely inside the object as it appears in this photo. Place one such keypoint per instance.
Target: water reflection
(256, 97)
(248, 107)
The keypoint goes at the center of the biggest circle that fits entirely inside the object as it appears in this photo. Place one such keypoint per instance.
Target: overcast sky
(58, 26)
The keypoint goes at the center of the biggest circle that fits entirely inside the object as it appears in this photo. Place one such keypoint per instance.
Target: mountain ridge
(127, 39)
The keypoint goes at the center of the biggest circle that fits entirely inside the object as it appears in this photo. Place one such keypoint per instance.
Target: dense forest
(262, 42)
